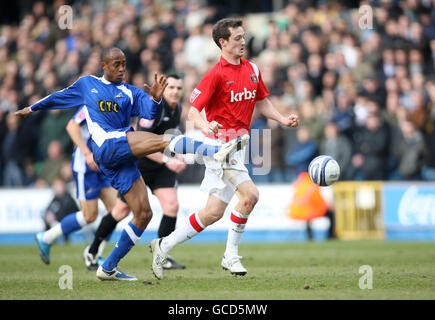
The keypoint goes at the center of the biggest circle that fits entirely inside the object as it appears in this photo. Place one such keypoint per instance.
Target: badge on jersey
(195, 94)
(146, 123)
(254, 78)
(80, 116)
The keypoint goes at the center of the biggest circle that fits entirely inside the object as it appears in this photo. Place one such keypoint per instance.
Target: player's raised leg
(145, 143)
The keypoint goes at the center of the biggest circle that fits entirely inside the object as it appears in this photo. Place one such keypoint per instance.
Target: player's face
(115, 68)
(235, 45)
(173, 91)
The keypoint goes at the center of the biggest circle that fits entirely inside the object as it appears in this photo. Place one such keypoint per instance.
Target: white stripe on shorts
(81, 192)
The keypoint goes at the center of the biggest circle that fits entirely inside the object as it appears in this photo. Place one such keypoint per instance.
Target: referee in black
(159, 173)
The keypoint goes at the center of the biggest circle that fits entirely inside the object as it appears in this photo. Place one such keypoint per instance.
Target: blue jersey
(108, 106)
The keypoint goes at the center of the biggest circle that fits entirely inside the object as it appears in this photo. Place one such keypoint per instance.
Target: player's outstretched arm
(23, 112)
(69, 97)
(267, 109)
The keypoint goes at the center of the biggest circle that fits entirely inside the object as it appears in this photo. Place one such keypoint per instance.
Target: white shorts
(222, 180)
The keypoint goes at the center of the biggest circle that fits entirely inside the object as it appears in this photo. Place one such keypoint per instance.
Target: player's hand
(159, 86)
(212, 128)
(23, 112)
(291, 121)
(176, 165)
(91, 162)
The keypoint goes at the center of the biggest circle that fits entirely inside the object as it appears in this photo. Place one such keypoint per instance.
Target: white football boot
(233, 265)
(227, 149)
(91, 261)
(159, 258)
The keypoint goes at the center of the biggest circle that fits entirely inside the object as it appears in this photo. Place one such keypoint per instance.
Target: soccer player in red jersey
(228, 92)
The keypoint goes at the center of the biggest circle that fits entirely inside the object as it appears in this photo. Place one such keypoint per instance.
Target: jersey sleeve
(80, 116)
(204, 91)
(262, 91)
(144, 106)
(69, 97)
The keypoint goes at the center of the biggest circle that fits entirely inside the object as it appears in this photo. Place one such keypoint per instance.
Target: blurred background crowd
(365, 95)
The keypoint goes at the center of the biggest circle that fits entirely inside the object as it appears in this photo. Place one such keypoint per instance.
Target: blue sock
(72, 222)
(184, 145)
(129, 236)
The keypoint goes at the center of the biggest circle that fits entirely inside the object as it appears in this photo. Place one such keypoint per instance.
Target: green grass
(275, 271)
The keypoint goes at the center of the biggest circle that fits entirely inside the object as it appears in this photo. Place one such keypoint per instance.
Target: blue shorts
(89, 184)
(116, 161)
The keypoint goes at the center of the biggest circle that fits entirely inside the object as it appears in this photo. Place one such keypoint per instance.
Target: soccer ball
(324, 170)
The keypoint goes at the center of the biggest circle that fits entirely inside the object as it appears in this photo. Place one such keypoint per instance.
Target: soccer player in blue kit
(109, 104)
(91, 184)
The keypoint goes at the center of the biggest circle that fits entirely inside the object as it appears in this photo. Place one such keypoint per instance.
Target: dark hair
(221, 29)
(107, 53)
(173, 75)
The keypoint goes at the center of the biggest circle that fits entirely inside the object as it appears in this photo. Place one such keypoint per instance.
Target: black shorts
(158, 178)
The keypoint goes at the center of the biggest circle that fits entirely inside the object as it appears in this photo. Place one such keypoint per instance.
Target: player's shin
(235, 233)
(190, 229)
(129, 236)
(70, 223)
(167, 226)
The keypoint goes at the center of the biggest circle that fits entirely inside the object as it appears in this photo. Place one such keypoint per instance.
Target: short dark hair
(174, 75)
(221, 29)
(107, 53)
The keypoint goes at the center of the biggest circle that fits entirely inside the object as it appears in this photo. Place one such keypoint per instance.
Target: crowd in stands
(364, 94)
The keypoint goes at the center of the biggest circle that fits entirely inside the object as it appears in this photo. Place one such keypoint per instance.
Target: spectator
(371, 143)
(309, 51)
(338, 147)
(60, 206)
(12, 172)
(412, 152)
(53, 128)
(52, 166)
(303, 151)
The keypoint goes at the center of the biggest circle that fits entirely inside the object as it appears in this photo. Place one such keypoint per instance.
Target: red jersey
(228, 93)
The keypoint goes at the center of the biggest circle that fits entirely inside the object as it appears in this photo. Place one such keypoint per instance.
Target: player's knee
(89, 215)
(123, 213)
(146, 215)
(171, 208)
(90, 218)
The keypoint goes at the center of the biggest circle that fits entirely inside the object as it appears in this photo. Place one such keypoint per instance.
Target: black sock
(167, 225)
(107, 225)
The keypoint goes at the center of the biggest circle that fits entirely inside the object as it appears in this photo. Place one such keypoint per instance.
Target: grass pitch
(318, 270)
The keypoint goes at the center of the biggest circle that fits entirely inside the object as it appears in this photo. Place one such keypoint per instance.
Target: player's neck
(231, 58)
(105, 79)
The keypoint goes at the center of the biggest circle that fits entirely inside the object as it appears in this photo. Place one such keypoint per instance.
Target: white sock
(101, 247)
(52, 234)
(192, 227)
(235, 233)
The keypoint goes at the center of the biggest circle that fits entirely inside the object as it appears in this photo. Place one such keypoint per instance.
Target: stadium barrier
(21, 212)
(385, 210)
(363, 210)
(358, 210)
